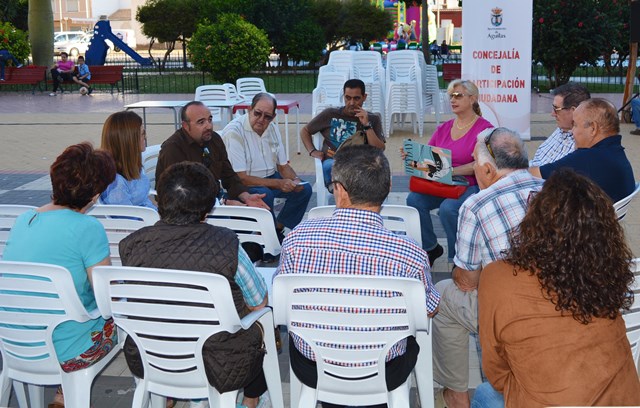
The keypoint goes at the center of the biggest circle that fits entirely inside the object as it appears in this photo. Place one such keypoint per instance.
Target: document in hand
(428, 162)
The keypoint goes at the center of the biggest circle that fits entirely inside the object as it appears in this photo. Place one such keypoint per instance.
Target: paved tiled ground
(35, 129)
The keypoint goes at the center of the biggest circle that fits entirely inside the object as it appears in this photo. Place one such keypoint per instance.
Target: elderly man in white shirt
(560, 143)
(256, 152)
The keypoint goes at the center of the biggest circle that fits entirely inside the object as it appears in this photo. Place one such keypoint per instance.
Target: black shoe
(435, 253)
(90, 90)
(635, 132)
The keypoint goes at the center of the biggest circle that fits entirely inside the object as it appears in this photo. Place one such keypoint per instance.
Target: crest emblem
(496, 16)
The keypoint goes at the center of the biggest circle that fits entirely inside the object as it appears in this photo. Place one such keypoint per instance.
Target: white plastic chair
(404, 89)
(632, 317)
(622, 206)
(431, 89)
(35, 299)
(169, 314)
(401, 219)
(305, 301)
(121, 220)
(367, 66)
(322, 194)
(250, 87)
(210, 94)
(250, 223)
(8, 215)
(328, 92)
(342, 61)
(149, 164)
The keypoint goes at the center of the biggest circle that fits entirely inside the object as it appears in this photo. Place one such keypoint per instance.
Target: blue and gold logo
(496, 17)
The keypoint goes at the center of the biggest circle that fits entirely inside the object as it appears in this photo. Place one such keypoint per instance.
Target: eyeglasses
(487, 142)
(557, 109)
(457, 95)
(206, 157)
(258, 114)
(333, 183)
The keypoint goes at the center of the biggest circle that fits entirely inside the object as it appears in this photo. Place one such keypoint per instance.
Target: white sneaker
(199, 403)
(265, 401)
(52, 94)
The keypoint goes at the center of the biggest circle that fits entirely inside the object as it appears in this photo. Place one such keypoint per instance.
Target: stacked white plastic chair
(404, 89)
(430, 89)
(212, 93)
(8, 215)
(342, 61)
(367, 66)
(328, 92)
(250, 87)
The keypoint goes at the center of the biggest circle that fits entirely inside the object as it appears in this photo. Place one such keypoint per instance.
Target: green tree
(614, 20)
(15, 41)
(169, 21)
(305, 42)
(229, 48)
(350, 21)
(16, 12)
(41, 31)
(565, 34)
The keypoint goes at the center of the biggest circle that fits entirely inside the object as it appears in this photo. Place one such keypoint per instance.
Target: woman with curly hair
(61, 233)
(550, 313)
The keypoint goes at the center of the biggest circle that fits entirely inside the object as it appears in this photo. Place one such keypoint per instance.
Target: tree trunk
(424, 32)
(41, 31)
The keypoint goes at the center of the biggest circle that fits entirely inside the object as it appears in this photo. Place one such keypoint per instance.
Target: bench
(28, 75)
(105, 74)
(451, 72)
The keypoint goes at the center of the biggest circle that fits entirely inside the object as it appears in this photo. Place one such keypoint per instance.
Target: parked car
(74, 46)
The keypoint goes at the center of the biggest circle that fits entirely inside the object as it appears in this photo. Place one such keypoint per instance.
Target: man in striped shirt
(354, 242)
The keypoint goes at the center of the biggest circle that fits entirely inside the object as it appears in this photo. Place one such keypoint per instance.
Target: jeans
(635, 111)
(295, 205)
(448, 214)
(327, 165)
(487, 397)
(4, 57)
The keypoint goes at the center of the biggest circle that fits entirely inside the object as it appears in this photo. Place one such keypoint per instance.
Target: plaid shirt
(355, 242)
(558, 145)
(487, 218)
(251, 283)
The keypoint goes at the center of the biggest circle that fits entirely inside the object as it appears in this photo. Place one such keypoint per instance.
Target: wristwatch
(367, 127)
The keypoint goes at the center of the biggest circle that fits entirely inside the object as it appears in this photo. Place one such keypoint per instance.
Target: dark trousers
(397, 370)
(60, 77)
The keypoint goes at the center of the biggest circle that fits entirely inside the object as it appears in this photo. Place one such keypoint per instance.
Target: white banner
(496, 56)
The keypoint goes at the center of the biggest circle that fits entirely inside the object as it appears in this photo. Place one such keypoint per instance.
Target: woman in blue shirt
(60, 233)
(125, 138)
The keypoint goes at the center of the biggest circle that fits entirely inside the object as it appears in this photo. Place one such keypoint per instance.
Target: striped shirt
(558, 145)
(486, 219)
(355, 242)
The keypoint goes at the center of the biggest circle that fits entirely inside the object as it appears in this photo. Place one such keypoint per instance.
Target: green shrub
(229, 49)
(15, 41)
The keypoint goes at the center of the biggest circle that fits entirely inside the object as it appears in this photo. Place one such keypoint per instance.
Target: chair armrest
(254, 316)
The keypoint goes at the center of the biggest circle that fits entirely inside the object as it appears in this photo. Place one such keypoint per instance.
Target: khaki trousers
(456, 319)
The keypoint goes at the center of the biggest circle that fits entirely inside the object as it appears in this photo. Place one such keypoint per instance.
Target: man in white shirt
(256, 152)
(566, 99)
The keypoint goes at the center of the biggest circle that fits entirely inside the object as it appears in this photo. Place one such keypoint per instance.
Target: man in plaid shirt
(354, 241)
(486, 219)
